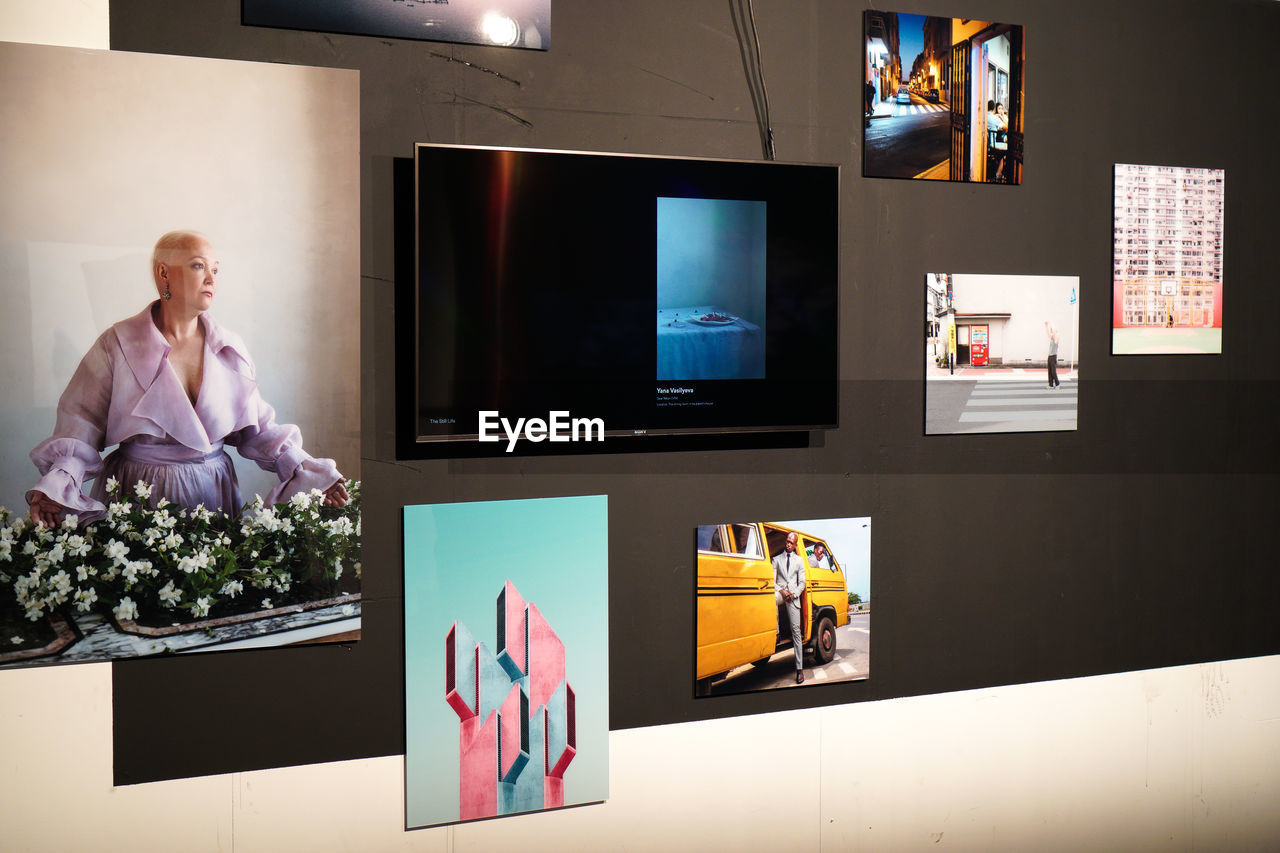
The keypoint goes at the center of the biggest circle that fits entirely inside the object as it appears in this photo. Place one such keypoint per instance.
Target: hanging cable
(744, 26)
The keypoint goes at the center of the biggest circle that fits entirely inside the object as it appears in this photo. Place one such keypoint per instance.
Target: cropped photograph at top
(498, 23)
(942, 98)
(1001, 353)
(782, 604)
(145, 354)
(1167, 269)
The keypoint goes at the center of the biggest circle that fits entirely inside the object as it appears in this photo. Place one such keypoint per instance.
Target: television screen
(626, 294)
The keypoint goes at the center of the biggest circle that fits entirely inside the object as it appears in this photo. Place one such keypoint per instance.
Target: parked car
(904, 97)
(932, 97)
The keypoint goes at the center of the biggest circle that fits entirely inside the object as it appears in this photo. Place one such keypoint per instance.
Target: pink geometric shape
(513, 735)
(513, 647)
(461, 697)
(546, 659)
(477, 793)
(557, 764)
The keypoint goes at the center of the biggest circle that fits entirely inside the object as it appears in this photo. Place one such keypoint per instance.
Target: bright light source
(500, 29)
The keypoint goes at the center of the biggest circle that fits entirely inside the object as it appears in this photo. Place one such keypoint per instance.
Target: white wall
(1184, 758)
(1030, 300)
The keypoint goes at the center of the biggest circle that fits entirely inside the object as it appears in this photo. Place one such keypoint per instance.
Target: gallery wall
(1176, 758)
(999, 559)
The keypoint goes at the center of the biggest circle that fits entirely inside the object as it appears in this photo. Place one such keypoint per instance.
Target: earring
(166, 296)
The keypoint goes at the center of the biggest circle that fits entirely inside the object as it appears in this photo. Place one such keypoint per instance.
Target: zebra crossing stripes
(1018, 405)
(921, 109)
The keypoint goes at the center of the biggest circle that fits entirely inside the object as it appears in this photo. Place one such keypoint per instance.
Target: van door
(736, 613)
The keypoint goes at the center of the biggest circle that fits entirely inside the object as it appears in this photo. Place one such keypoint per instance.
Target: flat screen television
(649, 295)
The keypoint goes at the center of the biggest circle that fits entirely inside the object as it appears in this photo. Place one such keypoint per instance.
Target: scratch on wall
(1213, 685)
(508, 113)
(676, 82)
(513, 81)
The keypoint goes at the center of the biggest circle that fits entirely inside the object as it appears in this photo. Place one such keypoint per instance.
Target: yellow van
(738, 619)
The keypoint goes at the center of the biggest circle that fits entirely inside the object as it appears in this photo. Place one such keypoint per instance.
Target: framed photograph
(942, 98)
(501, 23)
(506, 657)
(1001, 353)
(181, 458)
(1167, 264)
(782, 604)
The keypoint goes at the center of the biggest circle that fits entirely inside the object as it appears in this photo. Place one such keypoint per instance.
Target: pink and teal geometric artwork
(506, 694)
(515, 711)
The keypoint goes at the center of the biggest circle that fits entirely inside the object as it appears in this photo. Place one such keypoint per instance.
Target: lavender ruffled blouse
(125, 393)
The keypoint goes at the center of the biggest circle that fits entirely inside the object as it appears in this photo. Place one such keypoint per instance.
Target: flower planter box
(64, 635)
(129, 626)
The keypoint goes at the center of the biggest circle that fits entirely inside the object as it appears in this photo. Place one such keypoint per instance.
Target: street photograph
(942, 98)
(1167, 269)
(1001, 353)
(782, 604)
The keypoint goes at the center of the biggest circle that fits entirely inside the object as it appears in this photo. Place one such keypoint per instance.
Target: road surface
(915, 139)
(852, 661)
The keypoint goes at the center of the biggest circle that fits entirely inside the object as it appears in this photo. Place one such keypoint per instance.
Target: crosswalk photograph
(992, 404)
(1001, 353)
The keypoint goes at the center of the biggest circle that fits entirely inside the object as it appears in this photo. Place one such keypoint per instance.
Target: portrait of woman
(171, 388)
(181, 461)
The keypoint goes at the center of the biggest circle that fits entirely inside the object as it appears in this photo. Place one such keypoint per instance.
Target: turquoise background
(456, 559)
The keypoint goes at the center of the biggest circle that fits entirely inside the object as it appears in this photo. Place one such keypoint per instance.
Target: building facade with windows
(1167, 268)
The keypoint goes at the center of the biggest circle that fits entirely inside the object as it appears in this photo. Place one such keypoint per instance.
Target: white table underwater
(689, 348)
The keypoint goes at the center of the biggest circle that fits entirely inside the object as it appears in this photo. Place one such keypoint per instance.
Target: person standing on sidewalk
(788, 584)
(1053, 355)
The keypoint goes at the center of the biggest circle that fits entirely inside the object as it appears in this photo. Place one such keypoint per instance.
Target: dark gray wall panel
(1141, 540)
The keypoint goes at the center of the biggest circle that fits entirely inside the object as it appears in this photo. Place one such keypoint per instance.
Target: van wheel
(824, 641)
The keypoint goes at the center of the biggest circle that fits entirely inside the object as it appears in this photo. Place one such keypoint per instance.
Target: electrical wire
(744, 26)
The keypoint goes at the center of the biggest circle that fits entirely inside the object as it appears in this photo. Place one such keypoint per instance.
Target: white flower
(16, 640)
(34, 610)
(112, 483)
(164, 502)
(130, 572)
(84, 572)
(266, 604)
(143, 491)
(117, 551)
(126, 609)
(77, 545)
(232, 588)
(6, 549)
(56, 553)
(301, 500)
(30, 547)
(173, 540)
(70, 521)
(169, 595)
(201, 607)
(286, 525)
(348, 609)
(164, 519)
(340, 526)
(85, 598)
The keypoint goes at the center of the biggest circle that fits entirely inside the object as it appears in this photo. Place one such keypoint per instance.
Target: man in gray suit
(788, 584)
